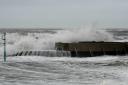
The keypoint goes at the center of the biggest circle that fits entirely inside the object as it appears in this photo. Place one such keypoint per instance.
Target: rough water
(43, 70)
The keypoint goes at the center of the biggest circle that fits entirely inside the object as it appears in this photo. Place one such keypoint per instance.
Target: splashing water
(39, 70)
(46, 41)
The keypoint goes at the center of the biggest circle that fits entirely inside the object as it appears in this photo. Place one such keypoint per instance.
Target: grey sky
(63, 13)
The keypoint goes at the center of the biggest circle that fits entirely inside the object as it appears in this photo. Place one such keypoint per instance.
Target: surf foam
(46, 41)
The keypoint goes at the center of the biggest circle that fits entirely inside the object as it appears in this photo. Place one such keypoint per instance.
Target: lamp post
(4, 43)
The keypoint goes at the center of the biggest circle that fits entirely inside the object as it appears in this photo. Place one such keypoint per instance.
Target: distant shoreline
(31, 30)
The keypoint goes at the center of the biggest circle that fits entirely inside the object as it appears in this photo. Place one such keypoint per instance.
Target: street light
(4, 43)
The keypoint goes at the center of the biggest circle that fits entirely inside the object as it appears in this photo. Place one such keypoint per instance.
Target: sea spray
(46, 41)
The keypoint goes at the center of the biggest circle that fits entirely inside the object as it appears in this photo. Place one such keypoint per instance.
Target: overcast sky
(63, 13)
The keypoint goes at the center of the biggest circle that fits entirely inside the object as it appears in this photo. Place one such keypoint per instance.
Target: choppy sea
(43, 70)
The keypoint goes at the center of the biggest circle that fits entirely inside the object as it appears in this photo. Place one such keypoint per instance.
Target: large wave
(46, 41)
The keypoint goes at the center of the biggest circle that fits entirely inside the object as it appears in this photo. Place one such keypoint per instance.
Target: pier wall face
(83, 49)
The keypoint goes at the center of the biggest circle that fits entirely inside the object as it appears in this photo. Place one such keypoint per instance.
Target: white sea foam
(77, 71)
(60, 70)
(46, 41)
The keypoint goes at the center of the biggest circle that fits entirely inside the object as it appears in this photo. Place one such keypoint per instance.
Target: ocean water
(43, 70)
